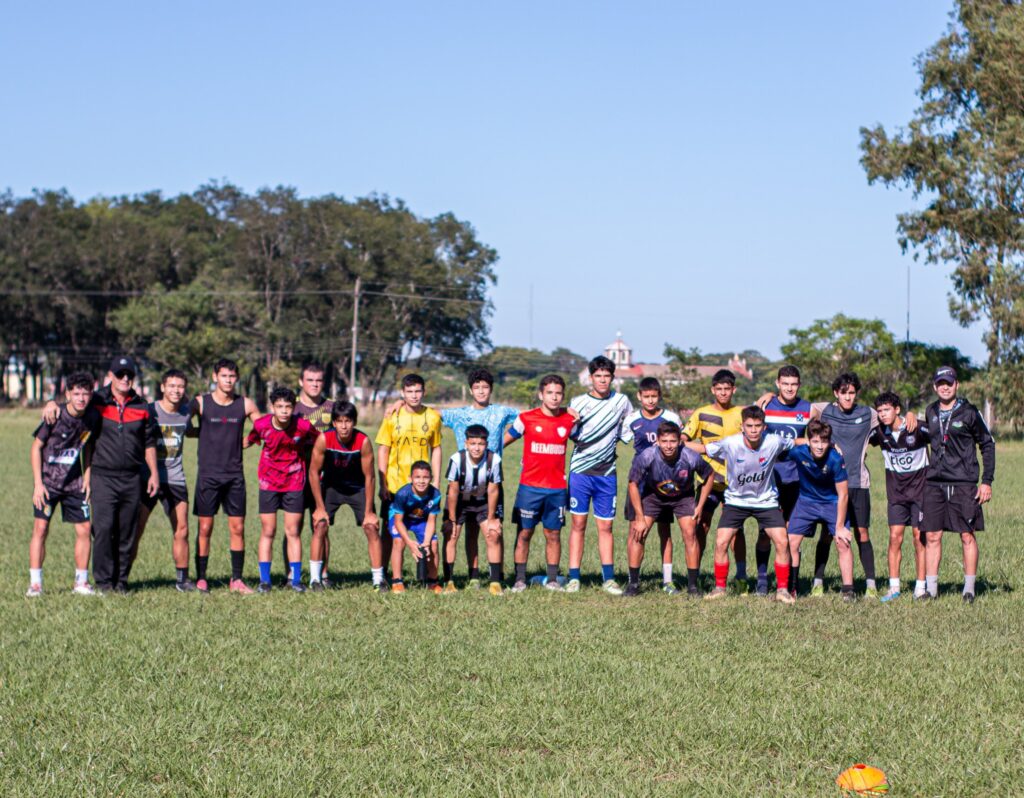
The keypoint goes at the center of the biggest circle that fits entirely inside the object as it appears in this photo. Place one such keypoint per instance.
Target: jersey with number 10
(643, 431)
(544, 445)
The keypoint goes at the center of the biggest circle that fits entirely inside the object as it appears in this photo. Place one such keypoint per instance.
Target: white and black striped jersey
(473, 478)
(598, 432)
(905, 455)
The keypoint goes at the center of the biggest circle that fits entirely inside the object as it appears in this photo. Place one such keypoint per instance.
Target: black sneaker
(264, 587)
(762, 588)
(694, 592)
(121, 590)
(317, 586)
(631, 590)
(298, 588)
(185, 587)
(327, 583)
(848, 596)
(924, 597)
(968, 598)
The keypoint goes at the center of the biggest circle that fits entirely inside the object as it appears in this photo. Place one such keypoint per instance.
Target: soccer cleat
(240, 587)
(316, 586)
(398, 588)
(694, 592)
(611, 587)
(185, 587)
(121, 590)
(717, 593)
(297, 587)
(34, 591)
(817, 590)
(519, 586)
(495, 589)
(968, 598)
(762, 588)
(922, 596)
(380, 587)
(473, 584)
(892, 595)
(572, 586)
(327, 582)
(264, 587)
(849, 597)
(784, 596)
(669, 589)
(871, 592)
(83, 589)
(450, 588)
(740, 587)
(631, 590)
(202, 586)
(553, 586)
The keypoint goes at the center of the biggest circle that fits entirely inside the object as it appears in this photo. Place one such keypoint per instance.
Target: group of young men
(787, 464)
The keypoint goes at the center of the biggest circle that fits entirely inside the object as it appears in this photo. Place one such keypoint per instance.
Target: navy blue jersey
(789, 421)
(653, 474)
(643, 431)
(818, 478)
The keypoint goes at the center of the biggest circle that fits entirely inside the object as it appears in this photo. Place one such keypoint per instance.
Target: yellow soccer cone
(861, 779)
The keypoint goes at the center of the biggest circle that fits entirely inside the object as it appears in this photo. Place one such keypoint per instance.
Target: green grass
(346, 692)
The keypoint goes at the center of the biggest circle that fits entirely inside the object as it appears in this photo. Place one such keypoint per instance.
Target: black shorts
(169, 496)
(74, 509)
(732, 517)
(662, 509)
(334, 500)
(858, 508)
(905, 514)
(664, 515)
(212, 493)
(476, 509)
(290, 501)
(789, 492)
(951, 507)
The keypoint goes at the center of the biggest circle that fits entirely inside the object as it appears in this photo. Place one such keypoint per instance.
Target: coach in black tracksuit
(952, 496)
(124, 447)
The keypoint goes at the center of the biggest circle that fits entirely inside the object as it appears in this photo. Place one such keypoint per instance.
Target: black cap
(944, 374)
(123, 363)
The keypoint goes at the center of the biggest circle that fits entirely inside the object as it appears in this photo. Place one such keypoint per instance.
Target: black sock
(182, 574)
(692, 578)
(552, 572)
(474, 572)
(794, 577)
(285, 559)
(520, 572)
(846, 589)
(495, 569)
(867, 558)
(821, 555)
(237, 563)
(201, 563)
(634, 575)
(448, 567)
(761, 558)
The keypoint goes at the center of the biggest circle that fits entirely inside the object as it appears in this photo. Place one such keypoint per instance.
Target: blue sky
(684, 172)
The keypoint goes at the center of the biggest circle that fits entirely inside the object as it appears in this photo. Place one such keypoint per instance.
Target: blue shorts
(539, 507)
(808, 514)
(603, 491)
(416, 530)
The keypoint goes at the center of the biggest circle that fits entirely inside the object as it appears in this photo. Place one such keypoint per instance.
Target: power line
(32, 292)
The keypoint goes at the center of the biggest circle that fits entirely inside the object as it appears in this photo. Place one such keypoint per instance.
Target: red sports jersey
(544, 446)
(343, 463)
(282, 465)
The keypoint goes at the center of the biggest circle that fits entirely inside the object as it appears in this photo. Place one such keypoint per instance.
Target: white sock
(919, 587)
(316, 568)
(932, 584)
(377, 574)
(666, 572)
(894, 584)
(969, 582)
(81, 576)
(870, 583)
(35, 576)
(819, 583)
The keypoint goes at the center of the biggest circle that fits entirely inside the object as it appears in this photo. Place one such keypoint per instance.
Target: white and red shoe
(34, 591)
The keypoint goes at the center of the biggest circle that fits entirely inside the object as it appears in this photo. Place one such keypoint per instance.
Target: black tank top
(220, 437)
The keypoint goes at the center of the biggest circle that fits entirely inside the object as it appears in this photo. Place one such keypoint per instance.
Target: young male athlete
(749, 459)
(412, 520)
(475, 502)
(282, 477)
(822, 500)
(708, 424)
(953, 498)
(592, 476)
(411, 434)
(661, 480)
(905, 455)
(542, 496)
(342, 473)
(220, 480)
(172, 421)
(60, 454)
(641, 429)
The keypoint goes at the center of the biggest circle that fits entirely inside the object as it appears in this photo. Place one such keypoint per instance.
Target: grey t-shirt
(170, 443)
(850, 432)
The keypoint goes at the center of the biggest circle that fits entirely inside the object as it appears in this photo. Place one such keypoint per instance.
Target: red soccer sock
(721, 573)
(781, 575)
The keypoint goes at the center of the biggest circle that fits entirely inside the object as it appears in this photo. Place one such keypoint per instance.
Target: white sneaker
(552, 584)
(34, 591)
(572, 586)
(611, 587)
(84, 589)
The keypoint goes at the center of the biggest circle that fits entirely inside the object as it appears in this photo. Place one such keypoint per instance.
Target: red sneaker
(238, 586)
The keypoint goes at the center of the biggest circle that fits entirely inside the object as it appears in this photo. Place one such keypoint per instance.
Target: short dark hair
(412, 379)
(752, 412)
(817, 428)
(420, 465)
(888, 398)
(723, 376)
(225, 364)
(80, 379)
(669, 428)
(171, 374)
(550, 379)
(476, 431)
(788, 371)
(845, 379)
(344, 410)
(311, 365)
(480, 375)
(282, 394)
(601, 363)
(650, 384)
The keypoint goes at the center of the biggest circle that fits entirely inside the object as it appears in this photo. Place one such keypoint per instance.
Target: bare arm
(40, 495)
(453, 499)
(435, 466)
(153, 486)
(702, 497)
(251, 411)
(493, 491)
(843, 492)
(369, 477)
(383, 455)
(316, 465)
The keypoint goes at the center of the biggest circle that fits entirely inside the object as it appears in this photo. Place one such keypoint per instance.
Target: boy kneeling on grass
(412, 521)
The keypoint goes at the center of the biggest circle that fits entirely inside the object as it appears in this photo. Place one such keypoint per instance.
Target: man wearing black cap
(952, 496)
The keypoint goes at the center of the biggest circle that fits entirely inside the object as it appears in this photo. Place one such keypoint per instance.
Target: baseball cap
(944, 374)
(123, 363)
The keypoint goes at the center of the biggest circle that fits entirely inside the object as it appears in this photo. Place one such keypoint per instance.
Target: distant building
(620, 353)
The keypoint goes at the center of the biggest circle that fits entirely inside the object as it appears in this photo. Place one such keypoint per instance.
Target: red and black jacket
(124, 434)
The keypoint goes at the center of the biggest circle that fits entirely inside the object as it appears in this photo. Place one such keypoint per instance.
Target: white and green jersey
(598, 432)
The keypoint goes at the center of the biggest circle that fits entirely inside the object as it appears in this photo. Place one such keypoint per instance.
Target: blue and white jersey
(598, 432)
(789, 421)
(818, 478)
(495, 417)
(642, 432)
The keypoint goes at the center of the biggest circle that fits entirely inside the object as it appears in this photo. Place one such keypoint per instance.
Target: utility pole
(530, 321)
(906, 346)
(355, 337)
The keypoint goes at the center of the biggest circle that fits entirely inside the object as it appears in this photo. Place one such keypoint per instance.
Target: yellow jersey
(411, 437)
(708, 424)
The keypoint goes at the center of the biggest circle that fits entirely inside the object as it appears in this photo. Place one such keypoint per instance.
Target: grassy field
(347, 692)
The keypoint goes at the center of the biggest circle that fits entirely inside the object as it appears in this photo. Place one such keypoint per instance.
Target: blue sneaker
(892, 595)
